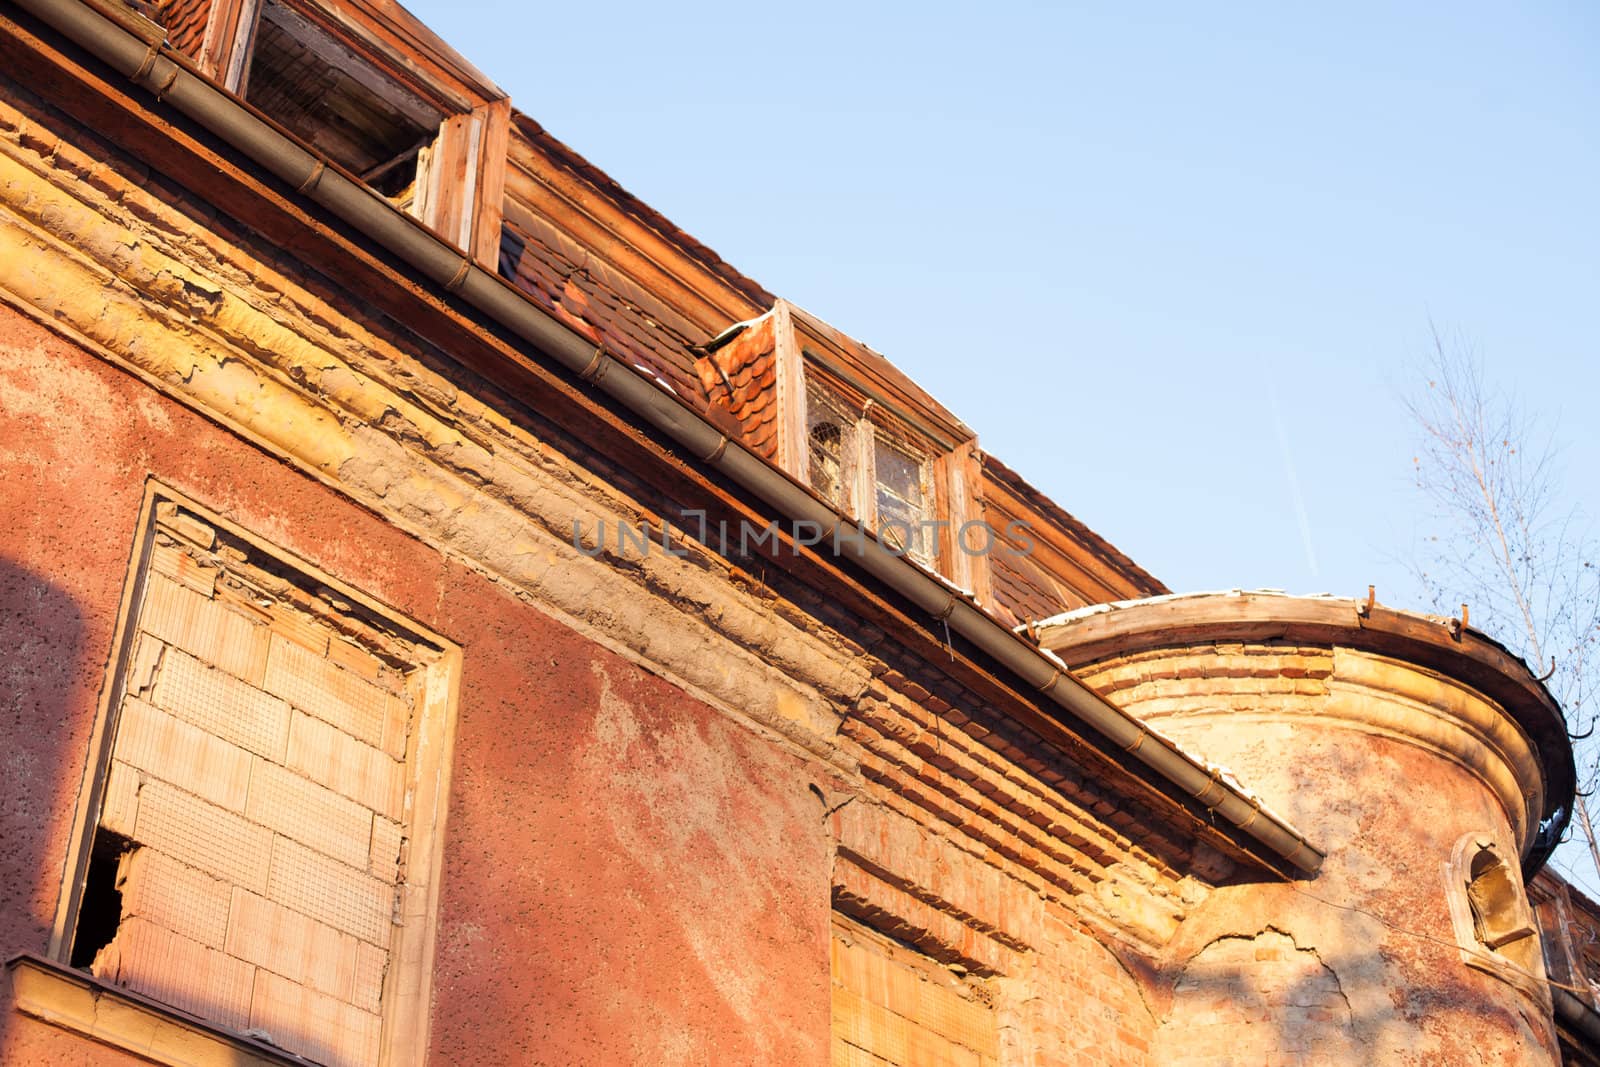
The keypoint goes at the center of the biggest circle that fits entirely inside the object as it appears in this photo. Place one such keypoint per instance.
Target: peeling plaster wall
(654, 808)
(614, 846)
(1386, 766)
(666, 780)
(1260, 999)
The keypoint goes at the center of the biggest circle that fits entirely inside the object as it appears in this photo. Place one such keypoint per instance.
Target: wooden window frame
(869, 432)
(406, 1006)
(461, 185)
(808, 351)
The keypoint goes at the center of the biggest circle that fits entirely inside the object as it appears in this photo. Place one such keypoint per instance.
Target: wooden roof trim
(1097, 558)
(404, 40)
(871, 373)
(722, 294)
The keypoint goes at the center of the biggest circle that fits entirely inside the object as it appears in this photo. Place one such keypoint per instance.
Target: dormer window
(339, 103)
(839, 417)
(863, 466)
(380, 96)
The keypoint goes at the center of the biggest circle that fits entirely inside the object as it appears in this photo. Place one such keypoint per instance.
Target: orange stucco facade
(674, 798)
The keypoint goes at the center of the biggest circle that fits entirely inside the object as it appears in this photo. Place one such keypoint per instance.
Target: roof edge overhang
(122, 43)
(1436, 643)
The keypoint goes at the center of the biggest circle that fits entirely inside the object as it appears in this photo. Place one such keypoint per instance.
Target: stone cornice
(234, 334)
(1459, 694)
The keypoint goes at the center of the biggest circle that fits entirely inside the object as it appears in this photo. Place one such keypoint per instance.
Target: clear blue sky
(1113, 237)
(1169, 260)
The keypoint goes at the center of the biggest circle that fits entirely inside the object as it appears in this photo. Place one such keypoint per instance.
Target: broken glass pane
(826, 470)
(902, 499)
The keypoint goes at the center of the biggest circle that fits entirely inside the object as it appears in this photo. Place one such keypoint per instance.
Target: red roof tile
(185, 23)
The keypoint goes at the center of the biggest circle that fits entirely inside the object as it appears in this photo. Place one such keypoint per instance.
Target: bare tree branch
(1502, 539)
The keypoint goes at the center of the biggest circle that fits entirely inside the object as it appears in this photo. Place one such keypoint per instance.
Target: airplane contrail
(1294, 479)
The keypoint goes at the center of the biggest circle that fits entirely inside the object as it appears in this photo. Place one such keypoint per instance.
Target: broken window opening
(832, 441)
(901, 480)
(268, 773)
(1493, 921)
(1494, 897)
(100, 909)
(341, 104)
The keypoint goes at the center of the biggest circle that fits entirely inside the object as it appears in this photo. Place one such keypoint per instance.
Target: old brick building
(453, 616)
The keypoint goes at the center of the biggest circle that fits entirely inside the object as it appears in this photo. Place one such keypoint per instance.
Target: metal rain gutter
(136, 48)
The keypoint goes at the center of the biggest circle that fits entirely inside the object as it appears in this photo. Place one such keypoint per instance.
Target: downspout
(135, 47)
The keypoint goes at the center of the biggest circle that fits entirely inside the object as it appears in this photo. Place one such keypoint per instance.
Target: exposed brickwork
(1019, 813)
(164, 745)
(672, 772)
(1257, 677)
(1259, 999)
(891, 1004)
(325, 1029)
(176, 897)
(186, 974)
(1075, 1003)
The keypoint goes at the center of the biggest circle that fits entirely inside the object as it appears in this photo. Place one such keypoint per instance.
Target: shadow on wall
(1265, 999)
(44, 684)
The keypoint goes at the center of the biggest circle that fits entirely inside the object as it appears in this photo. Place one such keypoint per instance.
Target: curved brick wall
(1376, 735)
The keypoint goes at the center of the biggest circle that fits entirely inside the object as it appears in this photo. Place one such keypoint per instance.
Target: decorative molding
(1516, 959)
(1418, 679)
(1378, 696)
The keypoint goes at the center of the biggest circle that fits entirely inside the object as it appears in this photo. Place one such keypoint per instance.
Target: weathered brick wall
(670, 773)
(893, 1004)
(667, 775)
(630, 876)
(1386, 765)
(1077, 1002)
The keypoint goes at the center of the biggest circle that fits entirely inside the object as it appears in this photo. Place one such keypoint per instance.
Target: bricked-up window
(265, 800)
(1494, 923)
(894, 1005)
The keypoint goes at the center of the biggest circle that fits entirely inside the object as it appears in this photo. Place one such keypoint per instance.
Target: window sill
(74, 1000)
